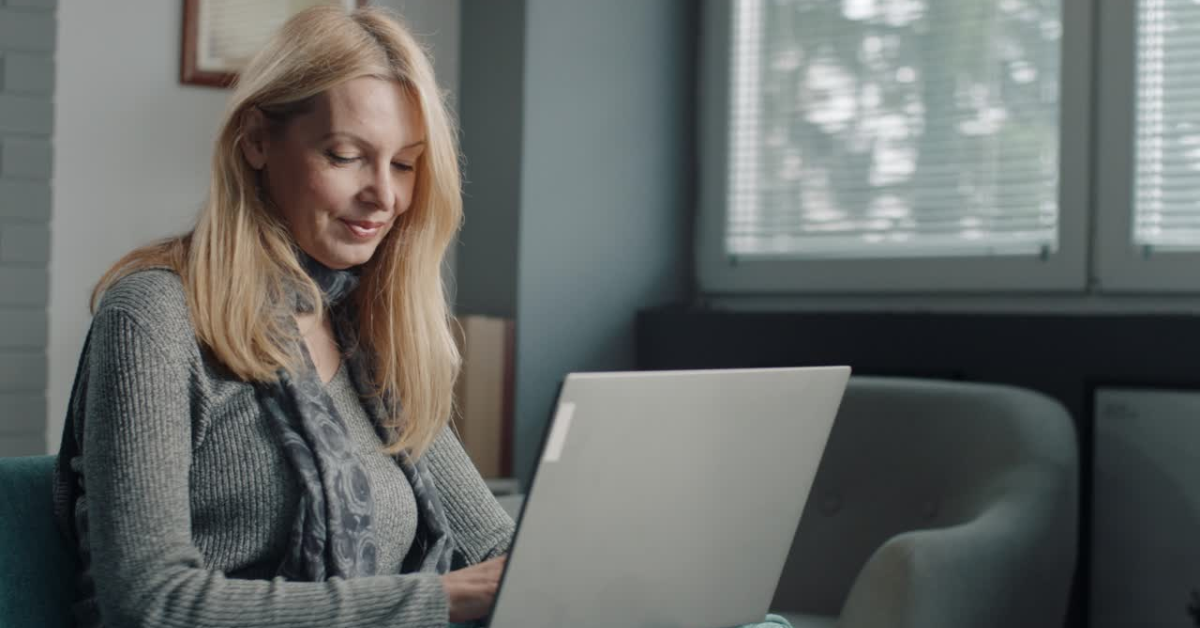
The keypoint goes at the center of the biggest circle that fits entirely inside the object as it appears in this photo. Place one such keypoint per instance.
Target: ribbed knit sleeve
(138, 440)
(481, 527)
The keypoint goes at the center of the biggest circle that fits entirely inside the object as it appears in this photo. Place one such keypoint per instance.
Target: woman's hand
(471, 591)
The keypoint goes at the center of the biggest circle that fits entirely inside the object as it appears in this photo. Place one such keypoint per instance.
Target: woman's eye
(339, 159)
(402, 167)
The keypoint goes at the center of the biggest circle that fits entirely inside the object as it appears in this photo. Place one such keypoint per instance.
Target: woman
(257, 434)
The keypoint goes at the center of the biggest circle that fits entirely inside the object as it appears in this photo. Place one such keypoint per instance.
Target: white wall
(132, 149)
(131, 158)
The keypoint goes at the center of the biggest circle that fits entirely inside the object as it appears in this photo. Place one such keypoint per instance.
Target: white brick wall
(27, 42)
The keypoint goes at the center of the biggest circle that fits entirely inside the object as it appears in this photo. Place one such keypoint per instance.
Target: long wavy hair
(238, 262)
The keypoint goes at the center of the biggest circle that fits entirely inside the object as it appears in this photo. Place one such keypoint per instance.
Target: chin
(342, 257)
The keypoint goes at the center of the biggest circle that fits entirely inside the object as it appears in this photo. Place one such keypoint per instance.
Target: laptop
(667, 499)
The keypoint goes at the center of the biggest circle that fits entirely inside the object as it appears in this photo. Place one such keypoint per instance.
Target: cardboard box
(484, 393)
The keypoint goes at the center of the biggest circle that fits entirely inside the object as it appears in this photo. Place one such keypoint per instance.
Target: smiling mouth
(363, 229)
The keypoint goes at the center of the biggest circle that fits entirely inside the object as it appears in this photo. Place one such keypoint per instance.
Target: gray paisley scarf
(332, 533)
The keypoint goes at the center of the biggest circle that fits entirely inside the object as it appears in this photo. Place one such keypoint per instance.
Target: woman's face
(342, 173)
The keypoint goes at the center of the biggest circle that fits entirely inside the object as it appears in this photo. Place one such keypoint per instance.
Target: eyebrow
(360, 140)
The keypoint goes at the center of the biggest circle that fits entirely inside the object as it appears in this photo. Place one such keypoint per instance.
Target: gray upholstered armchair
(938, 504)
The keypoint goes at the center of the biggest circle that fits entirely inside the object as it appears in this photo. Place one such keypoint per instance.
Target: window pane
(1167, 187)
(894, 128)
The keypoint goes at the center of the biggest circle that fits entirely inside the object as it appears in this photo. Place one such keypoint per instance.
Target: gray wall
(601, 204)
(27, 43)
(491, 106)
(436, 24)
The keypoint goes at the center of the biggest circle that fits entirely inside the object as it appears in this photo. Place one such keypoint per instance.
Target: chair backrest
(910, 454)
(36, 565)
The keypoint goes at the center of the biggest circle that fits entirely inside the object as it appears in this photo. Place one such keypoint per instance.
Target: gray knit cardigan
(189, 499)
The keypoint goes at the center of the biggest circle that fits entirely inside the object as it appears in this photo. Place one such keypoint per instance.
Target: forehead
(377, 110)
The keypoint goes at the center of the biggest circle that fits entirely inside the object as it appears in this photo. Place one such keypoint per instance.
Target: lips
(363, 228)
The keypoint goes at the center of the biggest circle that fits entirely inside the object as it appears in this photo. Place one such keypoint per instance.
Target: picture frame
(220, 36)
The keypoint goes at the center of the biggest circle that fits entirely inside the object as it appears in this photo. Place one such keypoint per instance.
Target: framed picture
(220, 36)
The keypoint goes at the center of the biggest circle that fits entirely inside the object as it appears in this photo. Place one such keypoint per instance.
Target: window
(893, 129)
(894, 145)
(1167, 166)
(1148, 153)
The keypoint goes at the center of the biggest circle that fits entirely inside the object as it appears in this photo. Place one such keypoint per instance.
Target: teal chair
(36, 565)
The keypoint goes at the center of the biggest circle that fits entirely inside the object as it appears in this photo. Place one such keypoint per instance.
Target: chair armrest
(1010, 565)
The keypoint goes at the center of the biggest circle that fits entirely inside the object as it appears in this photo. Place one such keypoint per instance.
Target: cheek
(299, 187)
(405, 191)
(321, 193)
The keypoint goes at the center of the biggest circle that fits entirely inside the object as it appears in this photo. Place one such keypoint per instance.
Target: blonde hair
(238, 261)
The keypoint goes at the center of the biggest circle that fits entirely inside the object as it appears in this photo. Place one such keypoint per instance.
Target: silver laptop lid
(667, 499)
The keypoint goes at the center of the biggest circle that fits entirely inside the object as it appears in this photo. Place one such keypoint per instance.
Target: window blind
(893, 128)
(1167, 165)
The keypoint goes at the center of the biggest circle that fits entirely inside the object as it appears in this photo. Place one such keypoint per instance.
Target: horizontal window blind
(893, 128)
(1167, 171)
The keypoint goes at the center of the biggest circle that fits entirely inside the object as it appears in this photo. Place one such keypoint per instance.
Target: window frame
(1065, 270)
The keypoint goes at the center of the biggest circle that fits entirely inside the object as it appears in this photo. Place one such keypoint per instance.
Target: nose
(379, 189)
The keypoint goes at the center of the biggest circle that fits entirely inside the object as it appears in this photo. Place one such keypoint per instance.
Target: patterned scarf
(332, 533)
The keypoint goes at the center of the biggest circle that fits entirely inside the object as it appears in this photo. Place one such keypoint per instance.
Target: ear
(255, 140)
